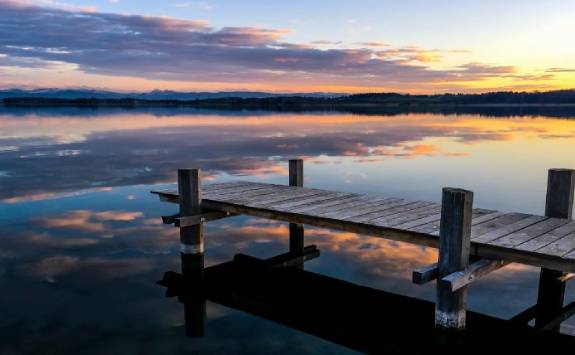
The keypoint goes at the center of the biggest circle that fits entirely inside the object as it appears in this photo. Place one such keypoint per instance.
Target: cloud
(195, 5)
(55, 266)
(174, 49)
(371, 44)
(86, 220)
(561, 70)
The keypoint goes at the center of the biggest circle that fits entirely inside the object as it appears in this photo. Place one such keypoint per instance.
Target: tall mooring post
(454, 248)
(558, 204)
(192, 250)
(296, 230)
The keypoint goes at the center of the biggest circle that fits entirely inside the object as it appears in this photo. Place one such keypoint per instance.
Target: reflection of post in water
(192, 252)
(296, 230)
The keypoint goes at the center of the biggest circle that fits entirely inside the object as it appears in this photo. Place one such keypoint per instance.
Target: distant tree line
(560, 97)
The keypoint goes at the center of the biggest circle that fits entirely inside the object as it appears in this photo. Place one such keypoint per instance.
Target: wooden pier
(472, 242)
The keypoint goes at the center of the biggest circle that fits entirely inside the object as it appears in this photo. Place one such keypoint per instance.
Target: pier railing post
(296, 230)
(558, 204)
(454, 247)
(192, 250)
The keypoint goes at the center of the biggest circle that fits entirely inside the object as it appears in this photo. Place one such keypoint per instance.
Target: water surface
(82, 244)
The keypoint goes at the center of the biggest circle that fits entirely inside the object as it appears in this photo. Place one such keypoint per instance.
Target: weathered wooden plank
(434, 218)
(564, 243)
(413, 215)
(218, 189)
(479, 217)
(188, 221)
(170, 219)
(475, 271)
(308, 209)
(314, 199)
(361, 209)
(289, 197)
(223, 186)
(432, 228)
(243, 194)
(425, 274)
(383, 210)
(317, 202)
(252, 196)
(234, 190)
(528, 233)
(391, 209)
(172, 196)
(167, 195)
(553, 242)
(384, 220)
(496, 224)
(271, 199)
(335, 205)
(332, 212)
(571, 254)
(489, 251)
(494, 234)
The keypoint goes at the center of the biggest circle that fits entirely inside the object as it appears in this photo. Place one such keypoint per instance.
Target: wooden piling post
(190, 192)
(192, 250)
(558, 204)
(296, 230)
(296, 172)
(454, 247)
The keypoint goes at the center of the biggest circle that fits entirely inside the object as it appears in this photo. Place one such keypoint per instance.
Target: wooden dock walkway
(528, 239)
(489, 239)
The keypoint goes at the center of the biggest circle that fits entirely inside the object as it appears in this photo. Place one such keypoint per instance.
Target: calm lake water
(82, 244)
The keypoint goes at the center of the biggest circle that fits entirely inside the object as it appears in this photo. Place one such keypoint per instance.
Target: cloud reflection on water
(65, 154)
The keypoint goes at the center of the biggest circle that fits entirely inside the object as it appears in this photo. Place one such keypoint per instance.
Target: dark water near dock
(82, 244)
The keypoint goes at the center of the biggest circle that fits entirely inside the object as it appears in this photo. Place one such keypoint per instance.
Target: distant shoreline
(346, 105)
(267, 103)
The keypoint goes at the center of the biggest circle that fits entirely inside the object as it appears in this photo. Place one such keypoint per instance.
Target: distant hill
(252, 98)
(552, 103)
(72, 94)
(504, 104)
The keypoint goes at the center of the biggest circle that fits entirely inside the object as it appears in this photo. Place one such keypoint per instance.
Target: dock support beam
(192, 250)
(296, 230)
(558, 204)
(454, 247)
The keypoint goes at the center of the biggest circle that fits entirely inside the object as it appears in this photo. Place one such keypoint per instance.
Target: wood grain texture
(454, 250)
(190, 202)
(555, 242)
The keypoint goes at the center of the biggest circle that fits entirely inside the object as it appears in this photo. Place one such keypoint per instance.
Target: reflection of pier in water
(357, 317)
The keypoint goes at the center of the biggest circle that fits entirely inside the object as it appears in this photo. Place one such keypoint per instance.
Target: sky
(413, 46)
